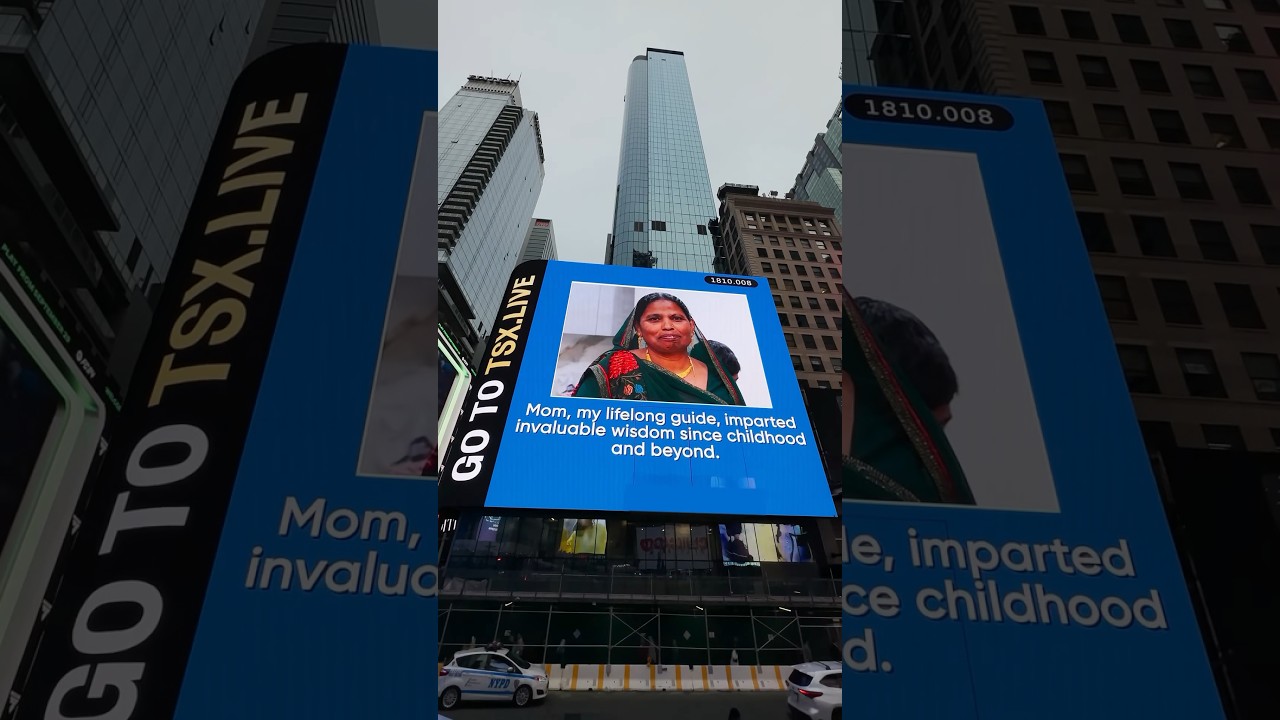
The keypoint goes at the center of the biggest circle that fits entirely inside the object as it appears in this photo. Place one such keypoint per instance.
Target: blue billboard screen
(1006, 547)
(615, 388)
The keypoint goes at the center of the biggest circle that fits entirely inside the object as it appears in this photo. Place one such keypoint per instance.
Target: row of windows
(781, 221)
(1189, 178)
(791, 242)
(1159, 434)
(1167, 125)
(1200, 372)
(802, 321)
(661, 225)
(802, 271)
(816, 364)
(810, 342)
(1131, 29)
(1042, 67)
(1154, 239)
(1178, 304)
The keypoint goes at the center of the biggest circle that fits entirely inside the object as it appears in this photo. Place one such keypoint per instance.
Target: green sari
(899, 451)
(619, 375)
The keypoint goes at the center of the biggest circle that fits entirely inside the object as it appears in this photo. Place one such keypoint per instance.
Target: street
(637, 706)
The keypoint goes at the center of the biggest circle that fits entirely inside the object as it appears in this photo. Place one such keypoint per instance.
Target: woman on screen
(660, 355)
(898, 385)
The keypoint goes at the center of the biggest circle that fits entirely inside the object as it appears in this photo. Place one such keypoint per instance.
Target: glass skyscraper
(821, 180)
(664, 195)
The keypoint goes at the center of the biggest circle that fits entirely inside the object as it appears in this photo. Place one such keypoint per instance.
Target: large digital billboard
(1006, 547)
(262, 519)
(606, 388)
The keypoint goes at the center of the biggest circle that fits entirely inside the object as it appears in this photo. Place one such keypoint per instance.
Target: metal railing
(507, 585)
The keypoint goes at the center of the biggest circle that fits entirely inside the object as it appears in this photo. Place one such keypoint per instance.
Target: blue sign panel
(1007, 554)
(616, 388)
(262, 542)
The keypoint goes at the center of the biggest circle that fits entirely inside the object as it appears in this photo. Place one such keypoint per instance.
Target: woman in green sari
(897, 390)
(660, 355)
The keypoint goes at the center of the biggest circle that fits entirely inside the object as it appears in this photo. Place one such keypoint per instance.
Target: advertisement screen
(748, 544)
(583, 537)
(265, 512)
(1006, 541)
(617, 379)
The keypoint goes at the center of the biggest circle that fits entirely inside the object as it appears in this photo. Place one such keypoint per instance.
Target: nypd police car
(490, 674)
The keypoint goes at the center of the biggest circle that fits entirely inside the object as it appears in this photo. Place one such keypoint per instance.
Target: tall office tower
(489, 175)
(540, 243)
(1166, 121)
(664, 197)
(287, 22)
(796, 245)
(822, 179)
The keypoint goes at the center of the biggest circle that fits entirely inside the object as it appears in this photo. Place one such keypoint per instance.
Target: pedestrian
(733, 657)
(560, 653)
(734, 714)
(519, 647)
(656, 657)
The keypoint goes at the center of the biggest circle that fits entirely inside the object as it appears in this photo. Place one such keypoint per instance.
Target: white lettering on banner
(369, 575)
(983, 599)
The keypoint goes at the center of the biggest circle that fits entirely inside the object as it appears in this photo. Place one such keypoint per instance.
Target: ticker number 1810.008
(928, 111)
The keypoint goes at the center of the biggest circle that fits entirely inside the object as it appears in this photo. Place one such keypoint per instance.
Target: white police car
(814, 691)
(490, 675)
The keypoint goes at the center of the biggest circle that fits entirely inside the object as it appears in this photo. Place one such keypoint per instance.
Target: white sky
(765, 78)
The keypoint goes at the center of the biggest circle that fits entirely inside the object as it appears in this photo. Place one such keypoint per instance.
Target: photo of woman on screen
(897, 388)
(659, 355)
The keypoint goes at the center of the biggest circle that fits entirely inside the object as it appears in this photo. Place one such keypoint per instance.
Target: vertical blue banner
(1008, 555)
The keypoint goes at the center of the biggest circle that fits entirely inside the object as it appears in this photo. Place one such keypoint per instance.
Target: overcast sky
(765, 78)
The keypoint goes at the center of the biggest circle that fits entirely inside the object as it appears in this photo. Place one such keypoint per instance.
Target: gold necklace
(682, 374)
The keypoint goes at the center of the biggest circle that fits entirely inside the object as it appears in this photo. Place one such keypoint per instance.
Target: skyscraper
(821, 179)
(540, 243)
(664, 196)
(289, 22)
(489, 176)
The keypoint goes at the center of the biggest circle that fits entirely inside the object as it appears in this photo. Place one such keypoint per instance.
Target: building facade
(664, 198)
(540, 243)
(821, 180)
(489, 177)
(288, 22)
(1167, 125)
(796, 246)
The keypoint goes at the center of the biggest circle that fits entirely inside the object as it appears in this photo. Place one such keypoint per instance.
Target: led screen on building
(603, 388)
(262, 518)
(1008, 554)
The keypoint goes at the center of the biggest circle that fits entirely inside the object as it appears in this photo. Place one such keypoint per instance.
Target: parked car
(490, 675)
(814, 691)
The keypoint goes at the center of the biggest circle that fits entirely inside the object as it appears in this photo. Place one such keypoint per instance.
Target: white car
(814, 691)
(490, 675)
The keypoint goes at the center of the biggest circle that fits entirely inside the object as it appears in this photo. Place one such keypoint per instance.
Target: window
(1115, 297)
(766, 267)
(777, 301)
(1042, 67)
(1139, 375)
(1248, 185)
(1268, 239)
(1096, 71)
(661, 224)
(832, 306)
(1203, 81)
(1153, 236)
(135, 251)
(1233, 38)
(702, 229)
(1150, 76)
(773, 283)
(817, 272)
(761, 252)
(1157, 434)
(1132, 176)
(788, 284)
(1271, 128)
(809, 342)
(816, 364)
(1214, 240)
(784, 319)
(1266, 6)
(1239, 306)
(795, 301)
(1026, 20)
(821, 322)
(794, 255)
(1177, 304)
(1076, 168)
(1079, 24)
(1096, 232)
(790, 338)
(1169, 127)
(1182, 33)
(823, 287)
(805, 285)
(802, 321)
(639, 227)
(1222, 437)
(1113, 122)
(1223, 130)
(778, 255)
(1060, 118)
(1218, 4)
(1131, 29)
(1264, 370)
(1256, 85)
(784, 268)
(796, 362)
(1200, 372)
(1189, 178)
(802, 270)
(813, 304)
(1273, 34)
